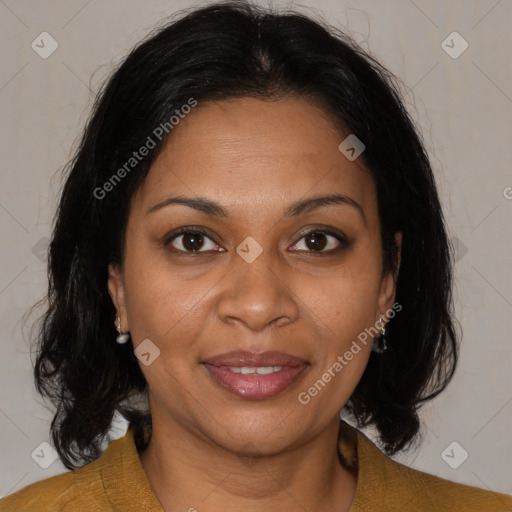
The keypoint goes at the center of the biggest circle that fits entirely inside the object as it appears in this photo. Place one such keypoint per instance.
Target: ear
(116, 291)
(388, 283)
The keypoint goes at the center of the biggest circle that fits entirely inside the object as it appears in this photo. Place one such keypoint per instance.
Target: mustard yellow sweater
(117, 482)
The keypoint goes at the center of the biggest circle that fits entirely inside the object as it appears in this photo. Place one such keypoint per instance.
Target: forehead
(250, 151)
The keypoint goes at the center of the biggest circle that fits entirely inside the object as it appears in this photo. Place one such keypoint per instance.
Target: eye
(318, 241)
(189, 240)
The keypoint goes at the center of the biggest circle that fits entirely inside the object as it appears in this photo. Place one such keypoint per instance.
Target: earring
(121, 337)
(379, 344)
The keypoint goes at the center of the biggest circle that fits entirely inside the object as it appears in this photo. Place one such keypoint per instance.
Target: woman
(252, 217)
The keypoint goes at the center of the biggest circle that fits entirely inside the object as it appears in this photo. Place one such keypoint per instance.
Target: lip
(255, 387)
(241, 358)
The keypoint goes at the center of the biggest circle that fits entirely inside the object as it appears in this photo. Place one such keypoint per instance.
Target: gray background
(463, 106)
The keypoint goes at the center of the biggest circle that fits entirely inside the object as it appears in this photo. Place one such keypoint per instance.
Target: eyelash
(343, 243)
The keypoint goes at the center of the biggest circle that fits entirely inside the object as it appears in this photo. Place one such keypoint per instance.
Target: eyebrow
(297, 208)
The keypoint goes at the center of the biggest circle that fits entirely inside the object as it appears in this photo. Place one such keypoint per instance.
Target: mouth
(255, 376)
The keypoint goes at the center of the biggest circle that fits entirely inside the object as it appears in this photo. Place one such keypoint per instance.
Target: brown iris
(192, 241)
(315, 240)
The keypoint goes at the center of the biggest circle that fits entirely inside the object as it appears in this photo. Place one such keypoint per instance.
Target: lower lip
(255, 387)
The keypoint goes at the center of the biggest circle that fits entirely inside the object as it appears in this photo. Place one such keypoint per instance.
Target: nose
(257, 295)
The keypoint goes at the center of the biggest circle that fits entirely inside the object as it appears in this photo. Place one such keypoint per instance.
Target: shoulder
(76, 490)
(423, 491)
(114, 481)
(58, 493)
(386, 484)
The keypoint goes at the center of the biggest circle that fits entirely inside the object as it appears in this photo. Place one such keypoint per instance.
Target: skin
(254, 158)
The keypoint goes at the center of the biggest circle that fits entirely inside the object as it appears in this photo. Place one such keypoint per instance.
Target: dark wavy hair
(222, 51)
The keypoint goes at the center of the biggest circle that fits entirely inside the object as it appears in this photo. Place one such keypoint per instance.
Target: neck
(188, 471)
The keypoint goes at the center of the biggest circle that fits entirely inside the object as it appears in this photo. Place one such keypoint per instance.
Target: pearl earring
(121, 337)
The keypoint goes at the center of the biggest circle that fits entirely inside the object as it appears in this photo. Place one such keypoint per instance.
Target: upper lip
(241, 358)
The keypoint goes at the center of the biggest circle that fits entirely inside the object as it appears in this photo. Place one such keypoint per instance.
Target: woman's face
(253, 279)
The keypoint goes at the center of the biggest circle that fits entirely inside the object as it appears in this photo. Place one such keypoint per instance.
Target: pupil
(192, 241)
(313, 239)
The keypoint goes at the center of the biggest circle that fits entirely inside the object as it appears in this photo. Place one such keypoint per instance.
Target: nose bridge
(255, 294)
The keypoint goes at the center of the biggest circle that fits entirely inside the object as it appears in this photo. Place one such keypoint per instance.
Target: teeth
(251, 370)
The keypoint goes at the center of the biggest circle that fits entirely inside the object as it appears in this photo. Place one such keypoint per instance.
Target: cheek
(344, 309)
(347, 299)
(162, 304)
(346, 305)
